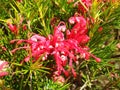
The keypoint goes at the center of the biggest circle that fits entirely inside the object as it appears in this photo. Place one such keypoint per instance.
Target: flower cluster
(66, 46)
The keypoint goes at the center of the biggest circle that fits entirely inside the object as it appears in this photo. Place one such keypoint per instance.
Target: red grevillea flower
(13, 28)
(64, 49)
(3, 67)
(84, 5)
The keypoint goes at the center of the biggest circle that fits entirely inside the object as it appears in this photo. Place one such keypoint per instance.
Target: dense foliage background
(92, 59)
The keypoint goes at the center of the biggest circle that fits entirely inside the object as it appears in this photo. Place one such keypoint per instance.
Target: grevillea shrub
(59, 44)
(65, 51)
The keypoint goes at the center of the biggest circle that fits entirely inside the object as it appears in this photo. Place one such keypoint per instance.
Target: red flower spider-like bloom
(13, 28)
(63, 49)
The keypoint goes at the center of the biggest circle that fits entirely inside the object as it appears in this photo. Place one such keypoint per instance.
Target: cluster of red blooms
(66, 46)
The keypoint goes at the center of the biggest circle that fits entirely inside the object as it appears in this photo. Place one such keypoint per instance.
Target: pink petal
(72, 20)
(38, 38)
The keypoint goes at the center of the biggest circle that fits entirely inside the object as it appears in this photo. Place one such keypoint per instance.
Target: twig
(85, 85)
